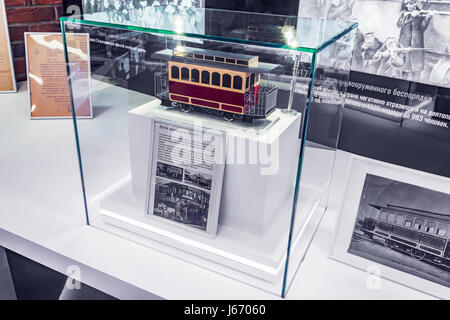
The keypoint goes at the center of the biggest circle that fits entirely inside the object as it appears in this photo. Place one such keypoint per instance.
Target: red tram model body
(224, 83)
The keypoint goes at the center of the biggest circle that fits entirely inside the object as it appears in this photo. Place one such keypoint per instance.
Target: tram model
(224, 83)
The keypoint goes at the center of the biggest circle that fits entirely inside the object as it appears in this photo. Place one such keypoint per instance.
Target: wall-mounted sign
(7, 79)
(47, 75)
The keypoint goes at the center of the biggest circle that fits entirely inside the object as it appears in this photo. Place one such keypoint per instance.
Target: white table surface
(42, 217)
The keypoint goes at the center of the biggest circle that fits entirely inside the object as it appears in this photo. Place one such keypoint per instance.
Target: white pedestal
(260, 169)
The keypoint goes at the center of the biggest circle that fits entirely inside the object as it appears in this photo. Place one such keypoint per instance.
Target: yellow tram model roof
(216, 59)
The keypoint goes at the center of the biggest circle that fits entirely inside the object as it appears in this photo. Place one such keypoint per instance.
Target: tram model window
(211, 58)
(242, 62)
(215, 79)
(247, 83)
(175, 72)
(195, 75)
(230, 60)
(205, 77)
(226, 81)
(383, 216)
(198, 56)
(219, 59)
(185, 74)
(418, 224)
(252, 80)
(237, 82)
(408, 224)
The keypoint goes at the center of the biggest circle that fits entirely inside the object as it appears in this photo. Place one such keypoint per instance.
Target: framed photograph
(185, 175)
(7, 76)
(396, 220)
(48, 87)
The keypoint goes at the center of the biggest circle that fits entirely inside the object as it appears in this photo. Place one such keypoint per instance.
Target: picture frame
(195, 190)
(392, 257)
(7, 75)
(54, 107)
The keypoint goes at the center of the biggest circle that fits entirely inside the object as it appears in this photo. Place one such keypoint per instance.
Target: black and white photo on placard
(403, 39)
(198, 179)
(180, 203)
(185, 176)
(168, 171)
(405, 227)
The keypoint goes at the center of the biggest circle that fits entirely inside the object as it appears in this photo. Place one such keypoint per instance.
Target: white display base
(255, 245)
(262, 256)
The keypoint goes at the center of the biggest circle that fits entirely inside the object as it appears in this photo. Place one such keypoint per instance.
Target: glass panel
(265, 30)
(249, 218)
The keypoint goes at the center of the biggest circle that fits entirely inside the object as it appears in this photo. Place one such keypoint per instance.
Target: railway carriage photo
(405, 227)
(423, 235)
(224, 83)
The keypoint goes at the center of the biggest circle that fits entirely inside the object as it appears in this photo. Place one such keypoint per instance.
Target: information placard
(7, 79)
(186, 175)
(48, 87)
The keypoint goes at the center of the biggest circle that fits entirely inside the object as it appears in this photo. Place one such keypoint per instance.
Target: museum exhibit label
(48, 86)
(7, 77)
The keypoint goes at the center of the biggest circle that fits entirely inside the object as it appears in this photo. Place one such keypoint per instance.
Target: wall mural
(404, 39)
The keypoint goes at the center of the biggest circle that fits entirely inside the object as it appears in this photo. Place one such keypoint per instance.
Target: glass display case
(214, 133)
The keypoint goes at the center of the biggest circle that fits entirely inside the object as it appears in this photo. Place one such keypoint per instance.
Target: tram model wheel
(228, 116)
(186, 108)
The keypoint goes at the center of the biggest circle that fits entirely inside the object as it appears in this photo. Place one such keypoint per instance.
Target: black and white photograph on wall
(403, 39)
(117, 56)
(181, 203)
(405, 227)
(164, 14)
